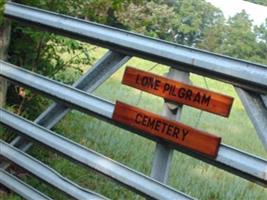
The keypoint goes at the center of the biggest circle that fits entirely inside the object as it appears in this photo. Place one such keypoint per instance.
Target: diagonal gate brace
(257, 111)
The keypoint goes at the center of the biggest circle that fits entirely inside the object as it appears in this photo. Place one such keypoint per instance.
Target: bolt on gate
(249, 80)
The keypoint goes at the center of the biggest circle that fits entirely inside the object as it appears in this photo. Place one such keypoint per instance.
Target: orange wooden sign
(178, 92)
(168, 130)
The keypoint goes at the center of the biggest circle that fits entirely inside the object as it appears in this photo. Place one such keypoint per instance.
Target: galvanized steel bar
(264, 99)
(21, 188)
(124, 175)
(257, 112)
(62, 93)
(99, 73)
(94, 77)
(240, 73)
(163, 153)
(44, 172)
(229, 158)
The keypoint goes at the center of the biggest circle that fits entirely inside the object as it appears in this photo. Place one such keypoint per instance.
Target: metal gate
(249, 80)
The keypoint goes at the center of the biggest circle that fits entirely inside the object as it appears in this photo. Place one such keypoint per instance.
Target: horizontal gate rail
(140, 183)
(235, 161)
(45, 173)
(99, 72)
(21, 188)
(65, 94)
(240, 73)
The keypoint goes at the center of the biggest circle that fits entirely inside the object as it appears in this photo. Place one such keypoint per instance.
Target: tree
(240, 41)
(196, 17)
(260, 2)
(182, 21)
(214, 37)
(261, 33)
(150, 19)
(236, 38)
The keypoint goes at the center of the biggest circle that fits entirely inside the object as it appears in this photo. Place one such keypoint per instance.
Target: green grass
(188, 175)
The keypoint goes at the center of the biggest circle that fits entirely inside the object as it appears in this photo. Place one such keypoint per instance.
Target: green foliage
(236, 38)
(180, 21)
(44, 53)
(61, 6)
(240, 41)
(214, 37)
(2, 3)
(100, 11)
(260, 2)
(261, 33)
(196, 16)
(150, 19)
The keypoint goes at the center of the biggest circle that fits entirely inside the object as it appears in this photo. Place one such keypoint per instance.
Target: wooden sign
(178, 92)
(168, 130)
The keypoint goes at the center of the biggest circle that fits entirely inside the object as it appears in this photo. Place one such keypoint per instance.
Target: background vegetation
(189, 22)
(2, 3)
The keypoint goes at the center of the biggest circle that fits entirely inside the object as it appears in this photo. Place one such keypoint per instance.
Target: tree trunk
(4, 42)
